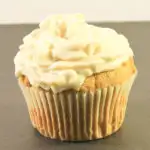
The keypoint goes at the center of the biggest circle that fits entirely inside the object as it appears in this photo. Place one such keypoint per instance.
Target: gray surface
(16, 132)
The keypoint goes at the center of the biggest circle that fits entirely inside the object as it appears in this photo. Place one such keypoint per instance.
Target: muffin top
(65, 50)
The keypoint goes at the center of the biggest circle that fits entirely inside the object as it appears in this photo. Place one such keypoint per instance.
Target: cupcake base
(76, 116)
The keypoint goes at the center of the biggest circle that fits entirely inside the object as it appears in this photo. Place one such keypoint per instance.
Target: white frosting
(65, 50)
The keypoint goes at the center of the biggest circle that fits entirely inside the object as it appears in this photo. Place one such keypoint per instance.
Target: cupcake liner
(75, 115)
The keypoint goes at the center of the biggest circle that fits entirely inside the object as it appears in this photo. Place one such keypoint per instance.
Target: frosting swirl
(64, 50)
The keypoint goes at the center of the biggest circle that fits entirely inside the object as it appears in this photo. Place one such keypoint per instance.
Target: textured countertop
(16, 132)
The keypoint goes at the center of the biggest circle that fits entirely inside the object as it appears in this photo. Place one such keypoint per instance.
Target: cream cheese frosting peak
(64, 50)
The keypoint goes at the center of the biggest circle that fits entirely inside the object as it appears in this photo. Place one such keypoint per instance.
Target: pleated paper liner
(75, 116)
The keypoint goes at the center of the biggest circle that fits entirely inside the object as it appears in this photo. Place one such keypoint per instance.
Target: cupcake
(75, 77)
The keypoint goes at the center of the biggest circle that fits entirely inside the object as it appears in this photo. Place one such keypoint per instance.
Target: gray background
(16, 132)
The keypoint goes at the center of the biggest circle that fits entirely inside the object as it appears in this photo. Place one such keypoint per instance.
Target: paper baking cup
(75, 116)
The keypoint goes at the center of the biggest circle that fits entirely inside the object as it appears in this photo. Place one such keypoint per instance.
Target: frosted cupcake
(75, 78)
